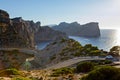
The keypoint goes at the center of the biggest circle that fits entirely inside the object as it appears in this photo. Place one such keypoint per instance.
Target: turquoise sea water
(108, 39)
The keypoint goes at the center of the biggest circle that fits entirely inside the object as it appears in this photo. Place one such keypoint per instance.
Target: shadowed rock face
(36, 32)
(46, 33)
(4, 21)
(75, 29)
(13, 33)
(26, 29)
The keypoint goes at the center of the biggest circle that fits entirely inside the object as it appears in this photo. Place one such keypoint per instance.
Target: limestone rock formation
(17, 32)
(35, 32)
(26, 29)
(46, 33)
(75, 29)
(4, 21)
(14, 33)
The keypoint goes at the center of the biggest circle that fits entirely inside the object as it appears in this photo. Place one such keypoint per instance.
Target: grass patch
(62, 71)
(8, 72)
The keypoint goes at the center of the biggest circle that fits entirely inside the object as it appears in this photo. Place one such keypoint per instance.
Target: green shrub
(95, 52)
(63, 40)
(54, 43)
(85, 67)
(8, 72)
(13, 71)
(15, 51)
(103, 73)
(62, 71)
(77, 54)
(107, 62)
(101, 62)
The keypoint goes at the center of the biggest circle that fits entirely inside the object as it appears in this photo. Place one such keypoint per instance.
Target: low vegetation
(8, 72)
(13, 58)
(85, 67)
(114, 51)
(62, 71)
(77, 50)
(103, 73)
(101, 62)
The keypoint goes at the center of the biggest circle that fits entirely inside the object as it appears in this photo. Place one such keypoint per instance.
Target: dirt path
(73, 61)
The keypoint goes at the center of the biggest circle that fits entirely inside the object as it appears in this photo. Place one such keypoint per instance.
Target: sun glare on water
(118, 37)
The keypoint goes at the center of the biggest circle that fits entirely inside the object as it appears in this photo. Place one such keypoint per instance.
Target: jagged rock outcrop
(75, 29)
(26, 29)
(46, 33)
(4, 21)
(17, 32)
(37, 32)
(14, 33)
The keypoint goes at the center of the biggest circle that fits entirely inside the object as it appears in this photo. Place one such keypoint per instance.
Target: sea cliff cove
(59, 40)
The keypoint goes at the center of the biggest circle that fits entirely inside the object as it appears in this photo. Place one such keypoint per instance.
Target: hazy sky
(106, 12)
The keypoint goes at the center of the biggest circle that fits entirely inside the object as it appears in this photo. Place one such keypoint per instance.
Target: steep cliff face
(26, 29)
(14, 33)
(46, 33)
(4, 21)
(17, 32)
(75, 29)
(34, 32)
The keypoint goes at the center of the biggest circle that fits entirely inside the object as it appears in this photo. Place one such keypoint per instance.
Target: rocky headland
(64, 49)
(75, 29)
(21, 33)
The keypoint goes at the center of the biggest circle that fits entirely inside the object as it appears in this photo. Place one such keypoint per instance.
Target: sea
(108, 39)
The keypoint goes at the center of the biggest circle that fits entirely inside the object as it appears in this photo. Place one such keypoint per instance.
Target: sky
(106, 12)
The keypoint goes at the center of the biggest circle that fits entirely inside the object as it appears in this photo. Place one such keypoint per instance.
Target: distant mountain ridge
(75, 29)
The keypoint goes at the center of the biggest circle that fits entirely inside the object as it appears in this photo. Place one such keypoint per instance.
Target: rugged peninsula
(75, 29)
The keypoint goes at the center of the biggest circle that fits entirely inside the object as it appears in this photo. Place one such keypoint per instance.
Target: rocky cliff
(14, 33)
(75, 29)
(46, 33)
(17, 32)
(36, 32)
(26, 29)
